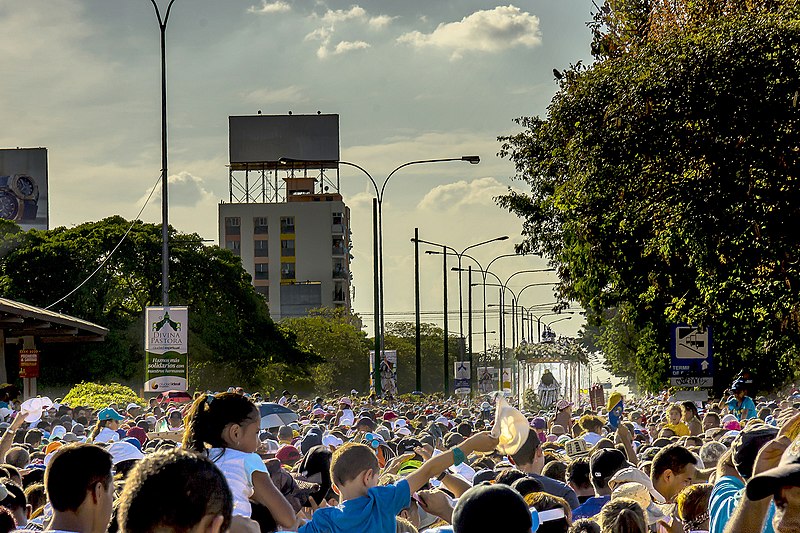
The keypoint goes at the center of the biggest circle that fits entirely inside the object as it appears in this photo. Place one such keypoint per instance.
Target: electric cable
(103, 263)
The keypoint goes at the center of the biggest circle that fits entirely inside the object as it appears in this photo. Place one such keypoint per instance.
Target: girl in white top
(226, 426)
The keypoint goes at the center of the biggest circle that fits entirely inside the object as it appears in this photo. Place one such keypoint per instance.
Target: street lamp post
(378, 223)
(162, 26)
(416, 240)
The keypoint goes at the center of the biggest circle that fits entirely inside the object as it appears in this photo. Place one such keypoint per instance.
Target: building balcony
(340, 274)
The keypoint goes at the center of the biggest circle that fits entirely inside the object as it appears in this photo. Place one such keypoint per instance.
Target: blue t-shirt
(590, 507)
(727, 492)
(374, 513)
(747, 403)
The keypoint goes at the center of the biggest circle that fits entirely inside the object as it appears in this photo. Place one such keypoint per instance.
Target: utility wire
(103, 263)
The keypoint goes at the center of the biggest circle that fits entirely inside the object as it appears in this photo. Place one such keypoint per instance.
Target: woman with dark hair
(622, 515)
(690, 416)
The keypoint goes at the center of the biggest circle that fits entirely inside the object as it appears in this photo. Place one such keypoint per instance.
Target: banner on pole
(487, 379)
(388, 370)
(28, 364)
(166, 349)
(462, 377)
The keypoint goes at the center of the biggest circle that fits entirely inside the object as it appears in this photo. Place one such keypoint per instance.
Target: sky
(410, 79)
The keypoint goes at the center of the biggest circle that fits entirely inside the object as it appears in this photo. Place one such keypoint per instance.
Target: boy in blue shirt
(368, 508)
(741, 405)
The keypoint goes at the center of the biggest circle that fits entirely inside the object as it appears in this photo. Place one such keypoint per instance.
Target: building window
(262, 271)
(260, 248)
(233, 226)
(338, 246)
(234, 246)
(287, 248)
(339, 270)
(287, 225)
(338, 218)
(260, 225)
(287, 271)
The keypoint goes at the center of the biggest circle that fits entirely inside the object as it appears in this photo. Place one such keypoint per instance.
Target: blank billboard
(23, 187)
(270, 138)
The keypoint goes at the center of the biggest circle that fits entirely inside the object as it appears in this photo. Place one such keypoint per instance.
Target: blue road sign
(692, 355)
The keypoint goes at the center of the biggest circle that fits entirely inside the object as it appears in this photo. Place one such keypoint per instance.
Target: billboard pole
(162, 25)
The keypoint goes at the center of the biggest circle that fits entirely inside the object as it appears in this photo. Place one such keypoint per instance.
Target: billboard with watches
(23, 187)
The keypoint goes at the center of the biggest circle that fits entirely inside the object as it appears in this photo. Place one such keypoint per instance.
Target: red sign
(29, 364)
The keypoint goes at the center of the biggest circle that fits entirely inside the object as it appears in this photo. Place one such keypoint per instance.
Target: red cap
(287, 453)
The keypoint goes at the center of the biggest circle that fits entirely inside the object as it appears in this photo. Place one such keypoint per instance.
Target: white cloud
(278, 6)
(290, 94)
(185, 190)
(483, 31)
(463, 194)
(335, 17)
(348, 46)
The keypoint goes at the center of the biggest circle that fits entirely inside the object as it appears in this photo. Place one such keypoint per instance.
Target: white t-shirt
(107, 435)
(238, 468)
(591, 438)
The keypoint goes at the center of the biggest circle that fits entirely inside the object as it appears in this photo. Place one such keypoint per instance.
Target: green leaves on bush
(99, 396)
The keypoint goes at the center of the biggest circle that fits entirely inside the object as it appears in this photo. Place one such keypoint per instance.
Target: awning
(21, 320)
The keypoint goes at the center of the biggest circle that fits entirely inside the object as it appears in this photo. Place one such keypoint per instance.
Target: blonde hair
(405, 526)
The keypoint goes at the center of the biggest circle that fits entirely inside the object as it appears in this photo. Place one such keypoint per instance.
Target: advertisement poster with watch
(23, 187)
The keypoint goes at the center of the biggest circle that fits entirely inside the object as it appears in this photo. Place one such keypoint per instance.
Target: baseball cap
(632, 474)
(641, 495)
(288, 453)
(576, 448)
(605, 462)
(477, 510)
(133, 406)
(787, 473)
(123, 451)
(539, 423)
(109, 414)
(746, 445)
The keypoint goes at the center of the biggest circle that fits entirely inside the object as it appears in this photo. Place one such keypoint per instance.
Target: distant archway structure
(29, 327)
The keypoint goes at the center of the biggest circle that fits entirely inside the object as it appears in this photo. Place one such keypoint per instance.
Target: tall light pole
(416, 240)
(162, 26)
(377, 222)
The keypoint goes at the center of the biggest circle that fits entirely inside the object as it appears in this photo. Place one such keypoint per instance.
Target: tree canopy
(231, 335)
(664, 187)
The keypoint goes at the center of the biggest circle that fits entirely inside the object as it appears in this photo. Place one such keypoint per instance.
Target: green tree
(335, 337)
(231, 335)
(401, 336)
(663, 184)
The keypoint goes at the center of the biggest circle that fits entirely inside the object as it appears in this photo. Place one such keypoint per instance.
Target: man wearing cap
(733, 471)
(776, 481)
(530, 460)
(133, 410)
(603, 464)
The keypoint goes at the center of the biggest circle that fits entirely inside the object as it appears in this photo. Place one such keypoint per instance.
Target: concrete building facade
(297, 251)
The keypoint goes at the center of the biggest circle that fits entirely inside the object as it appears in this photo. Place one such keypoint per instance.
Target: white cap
(123, 451)
(332, 440)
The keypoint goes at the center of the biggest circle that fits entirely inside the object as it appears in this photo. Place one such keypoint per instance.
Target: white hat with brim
(641, 495)
(634, 475)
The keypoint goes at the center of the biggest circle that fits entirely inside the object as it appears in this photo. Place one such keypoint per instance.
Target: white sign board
(691, 343)
(462, 375)
(690, 381)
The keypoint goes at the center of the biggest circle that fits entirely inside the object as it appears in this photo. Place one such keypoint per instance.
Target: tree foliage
(664, 185)
(99, 396)
(231, 335)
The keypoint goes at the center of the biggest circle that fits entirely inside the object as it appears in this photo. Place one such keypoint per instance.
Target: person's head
(227, 420)
(478, 508)
(747, 444)
(16, 502)
(692, 506)
(285, 434)
(78, 483)
(199, 498)
(13, 473)
(603, 464)
(7, 524)
(739, 389)
(354, 469)
(18, 456)
(591, 423)
(622, 515)
(555, 515)
(675, 414)
(508, 476)
(673, 469)
(527, 485)
(529, 458)
(710, 453)
(35, 495)
(577, 476)
(34, 437)
(689, 411)
(585, 525)
(555, 470)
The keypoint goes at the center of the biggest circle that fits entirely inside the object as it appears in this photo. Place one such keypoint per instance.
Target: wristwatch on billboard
(19, 197)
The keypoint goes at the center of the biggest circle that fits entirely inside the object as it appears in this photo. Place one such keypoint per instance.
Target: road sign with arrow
(691, 349)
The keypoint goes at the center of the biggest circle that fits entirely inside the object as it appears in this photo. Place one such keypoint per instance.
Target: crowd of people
(350, 464)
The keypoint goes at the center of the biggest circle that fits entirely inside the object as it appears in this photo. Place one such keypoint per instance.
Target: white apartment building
(297, 251)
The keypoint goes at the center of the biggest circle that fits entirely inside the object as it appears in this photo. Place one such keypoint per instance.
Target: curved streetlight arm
(362, 169)
(472, 159)
(162, 23)
(558, 320)
(529, 272)
(484, 272)
(471, 246)
(502, 256)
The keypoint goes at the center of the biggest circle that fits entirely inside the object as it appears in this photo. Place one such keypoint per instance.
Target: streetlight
(547, 326)
(162, 25)
(416, 240)
(377, 227)
(503, 287)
